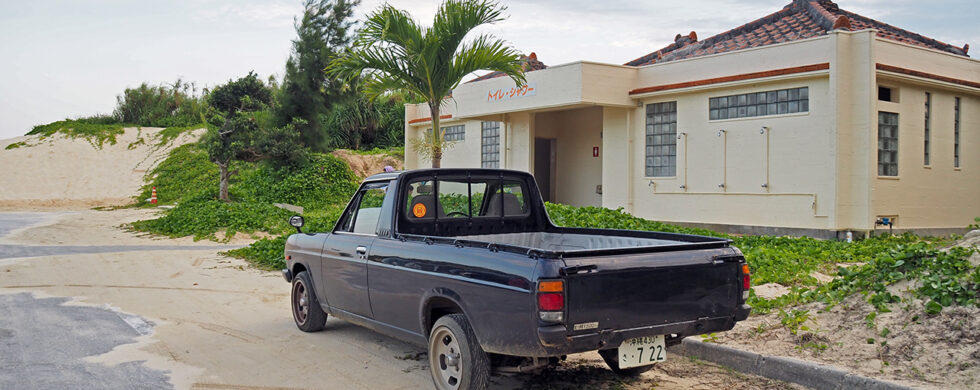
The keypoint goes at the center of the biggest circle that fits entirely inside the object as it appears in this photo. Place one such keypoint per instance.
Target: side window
(509, 200)
(363, 217)
(420, 202)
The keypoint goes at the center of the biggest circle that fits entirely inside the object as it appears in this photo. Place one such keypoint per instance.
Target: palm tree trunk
(436, 136)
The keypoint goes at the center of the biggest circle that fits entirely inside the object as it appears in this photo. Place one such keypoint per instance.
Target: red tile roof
(801, 19)
(529, 63)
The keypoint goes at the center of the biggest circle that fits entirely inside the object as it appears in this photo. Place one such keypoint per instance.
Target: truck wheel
(307, 313)
(611, 356)
(456, 360)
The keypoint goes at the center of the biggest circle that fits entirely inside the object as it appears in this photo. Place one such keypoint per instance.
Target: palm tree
(394, 53)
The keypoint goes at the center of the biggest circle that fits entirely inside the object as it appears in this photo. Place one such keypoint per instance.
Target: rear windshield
(465, 198)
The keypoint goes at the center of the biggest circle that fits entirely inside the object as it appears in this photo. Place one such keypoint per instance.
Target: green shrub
(603, 218)
(175, 105)
(323, 181)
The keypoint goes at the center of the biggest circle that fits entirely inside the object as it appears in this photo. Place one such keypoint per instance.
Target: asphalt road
(15, 251)
(44, 343)
(48, 340)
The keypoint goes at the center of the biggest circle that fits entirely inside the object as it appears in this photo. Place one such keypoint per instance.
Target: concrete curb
(809, 374)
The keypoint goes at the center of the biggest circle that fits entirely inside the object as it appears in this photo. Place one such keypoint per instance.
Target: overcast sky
(66, 58)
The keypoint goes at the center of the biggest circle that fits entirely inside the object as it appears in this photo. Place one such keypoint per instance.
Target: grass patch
(169, 134)
(16, 145)
(96, 130)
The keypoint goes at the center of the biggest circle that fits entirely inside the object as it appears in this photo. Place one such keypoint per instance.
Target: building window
(956, 133)
(490, 152)
(661, 139)
(885, 94)
(887, 144)
(454, 133)
(925, 155)
(783, 101)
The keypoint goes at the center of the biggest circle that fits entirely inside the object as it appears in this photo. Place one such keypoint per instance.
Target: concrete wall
(790, 156)
(938, 194)
(851, 83)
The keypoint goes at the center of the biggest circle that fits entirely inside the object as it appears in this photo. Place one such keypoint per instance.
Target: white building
(811, 120)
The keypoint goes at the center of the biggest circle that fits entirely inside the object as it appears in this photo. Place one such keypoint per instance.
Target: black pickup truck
(467, 262)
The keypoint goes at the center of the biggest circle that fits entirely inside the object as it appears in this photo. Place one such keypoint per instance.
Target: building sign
(498, 94)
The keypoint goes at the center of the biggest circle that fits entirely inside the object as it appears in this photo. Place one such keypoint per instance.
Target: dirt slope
(365, 165)
(64, 173)
(905, 345)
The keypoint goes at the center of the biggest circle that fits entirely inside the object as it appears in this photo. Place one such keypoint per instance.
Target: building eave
(754, 77)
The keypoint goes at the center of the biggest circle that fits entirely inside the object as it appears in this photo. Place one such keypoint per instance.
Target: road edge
(809, 374)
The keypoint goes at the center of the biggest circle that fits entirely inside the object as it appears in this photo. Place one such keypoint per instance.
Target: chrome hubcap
(445, 359)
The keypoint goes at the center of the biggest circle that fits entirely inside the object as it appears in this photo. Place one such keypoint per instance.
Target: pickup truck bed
(562, 242)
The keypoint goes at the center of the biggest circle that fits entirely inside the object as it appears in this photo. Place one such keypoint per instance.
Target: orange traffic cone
(153, 197)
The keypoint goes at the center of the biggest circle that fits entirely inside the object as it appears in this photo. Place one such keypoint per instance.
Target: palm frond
(392, 26)
(486, 52)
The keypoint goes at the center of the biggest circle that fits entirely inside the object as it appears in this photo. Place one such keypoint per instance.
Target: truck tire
(307, 313)
(611, 357)
(456, 360)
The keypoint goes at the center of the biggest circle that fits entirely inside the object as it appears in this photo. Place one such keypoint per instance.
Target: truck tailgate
(640, 290)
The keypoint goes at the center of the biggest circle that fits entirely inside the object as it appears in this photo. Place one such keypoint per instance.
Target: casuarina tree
(307, 93)
(394, 53)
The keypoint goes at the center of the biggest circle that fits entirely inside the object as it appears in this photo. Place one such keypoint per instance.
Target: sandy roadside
(95, 227)
(219, 323)
(223, 325)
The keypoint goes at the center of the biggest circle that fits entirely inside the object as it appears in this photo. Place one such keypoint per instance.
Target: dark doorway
(544, 167)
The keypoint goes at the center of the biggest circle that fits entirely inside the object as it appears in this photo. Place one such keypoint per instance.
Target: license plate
(642, 351)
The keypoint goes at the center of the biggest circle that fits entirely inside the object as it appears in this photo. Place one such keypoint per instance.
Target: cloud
(269, 14)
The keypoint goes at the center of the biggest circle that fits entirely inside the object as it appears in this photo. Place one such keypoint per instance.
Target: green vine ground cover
(324, 185)
(188, 180)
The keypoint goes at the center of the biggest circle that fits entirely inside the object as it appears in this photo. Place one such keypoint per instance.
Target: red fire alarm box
(595, 151)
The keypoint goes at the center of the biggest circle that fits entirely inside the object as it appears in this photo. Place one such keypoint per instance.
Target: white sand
(63, 173)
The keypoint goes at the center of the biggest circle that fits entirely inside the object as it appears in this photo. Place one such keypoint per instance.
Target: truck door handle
(361, 250)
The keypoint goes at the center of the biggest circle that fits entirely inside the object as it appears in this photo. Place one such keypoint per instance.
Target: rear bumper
(556, 340)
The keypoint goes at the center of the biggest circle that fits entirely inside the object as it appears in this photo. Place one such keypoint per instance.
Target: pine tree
(307, 92)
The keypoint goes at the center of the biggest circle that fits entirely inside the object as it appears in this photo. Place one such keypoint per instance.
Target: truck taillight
(746, 282)
(551, 300)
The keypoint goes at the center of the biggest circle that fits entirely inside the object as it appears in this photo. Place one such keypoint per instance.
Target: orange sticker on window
(418, 210)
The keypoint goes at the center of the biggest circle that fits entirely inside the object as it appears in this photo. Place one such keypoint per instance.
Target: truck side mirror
(296, 221)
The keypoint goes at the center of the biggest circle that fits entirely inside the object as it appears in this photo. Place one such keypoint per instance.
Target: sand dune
(63, 173)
